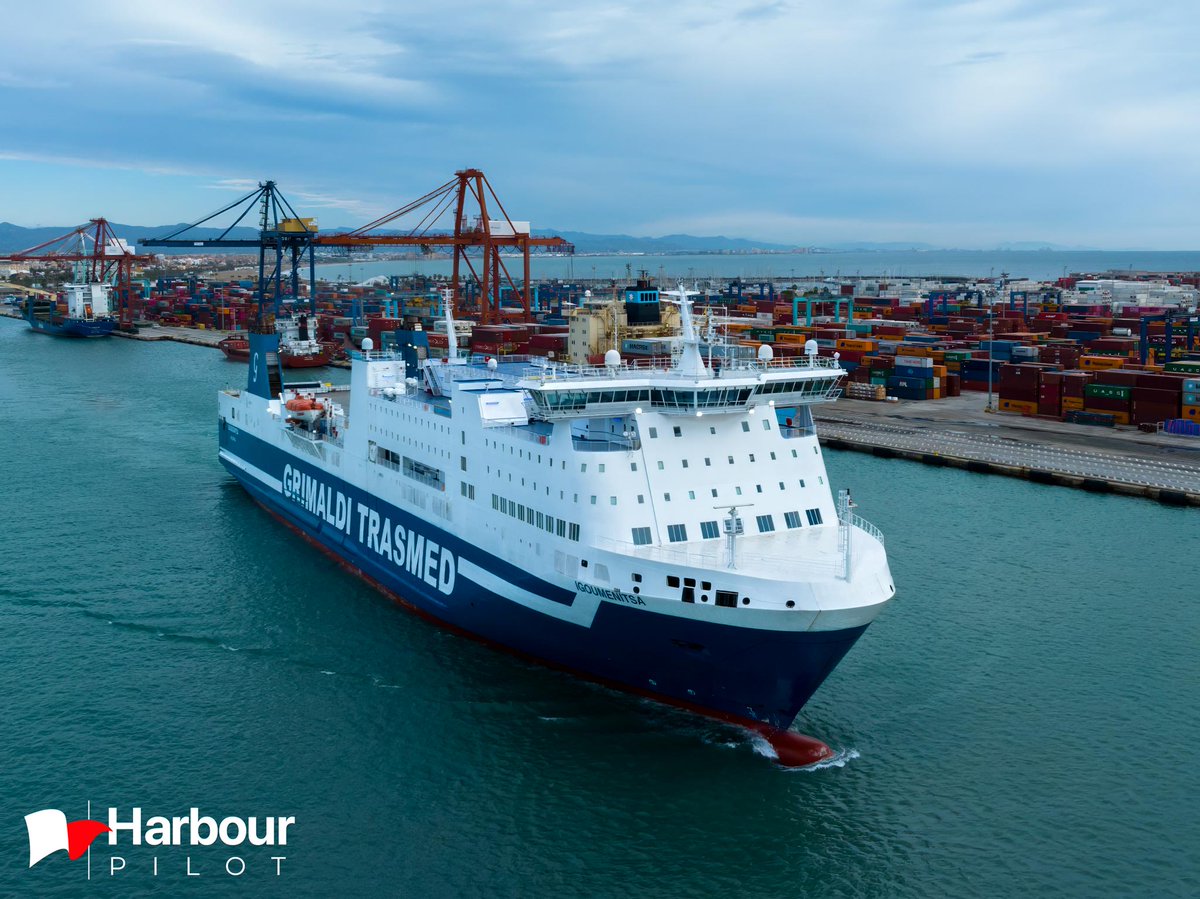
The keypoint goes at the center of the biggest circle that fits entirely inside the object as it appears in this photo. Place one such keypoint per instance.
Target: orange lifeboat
(304, 408)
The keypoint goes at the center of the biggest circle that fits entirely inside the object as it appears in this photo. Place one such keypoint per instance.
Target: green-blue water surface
(1022, 720)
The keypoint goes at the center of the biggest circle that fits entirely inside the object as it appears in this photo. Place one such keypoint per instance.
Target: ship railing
(608, 444)
(524, 432)
(638, 368)
(857, 521)
(793, 433)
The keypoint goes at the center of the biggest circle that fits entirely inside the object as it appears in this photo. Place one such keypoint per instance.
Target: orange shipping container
(1024, 407)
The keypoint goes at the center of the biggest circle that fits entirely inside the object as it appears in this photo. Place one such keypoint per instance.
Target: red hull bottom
(793, 750)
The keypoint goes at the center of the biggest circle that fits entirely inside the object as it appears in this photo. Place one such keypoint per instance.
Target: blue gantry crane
(281, 233)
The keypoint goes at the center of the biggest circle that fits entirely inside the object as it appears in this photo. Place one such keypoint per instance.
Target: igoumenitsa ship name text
(666, 530)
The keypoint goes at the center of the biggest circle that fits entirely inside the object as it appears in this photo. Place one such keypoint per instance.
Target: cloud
(882, 115)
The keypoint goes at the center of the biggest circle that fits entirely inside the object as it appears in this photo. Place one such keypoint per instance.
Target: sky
(958, 124)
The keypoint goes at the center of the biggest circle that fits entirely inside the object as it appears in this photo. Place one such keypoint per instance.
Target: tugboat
(87, 312)
(297, 348)
(235, 347)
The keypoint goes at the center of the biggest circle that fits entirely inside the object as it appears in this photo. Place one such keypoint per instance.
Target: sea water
(1021, 720)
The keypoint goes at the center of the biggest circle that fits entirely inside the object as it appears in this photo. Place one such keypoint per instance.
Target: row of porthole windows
(677, 430)
(710, 530)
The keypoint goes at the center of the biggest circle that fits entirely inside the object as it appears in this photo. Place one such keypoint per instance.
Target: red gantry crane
(100, 255)
(477, 239)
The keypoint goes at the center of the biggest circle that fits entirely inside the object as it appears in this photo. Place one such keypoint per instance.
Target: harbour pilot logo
(50, 831)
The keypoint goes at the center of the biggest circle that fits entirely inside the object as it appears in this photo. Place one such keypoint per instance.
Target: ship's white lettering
(406, 548)
(606, 593)
(373, 529)
(431, 563)
(416, 554)
(362, 521)
(385, 539)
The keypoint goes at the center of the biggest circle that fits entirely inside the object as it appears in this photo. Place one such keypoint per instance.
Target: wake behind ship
(669, 531)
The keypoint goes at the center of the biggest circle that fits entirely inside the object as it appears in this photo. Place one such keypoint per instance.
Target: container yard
(1086, 358)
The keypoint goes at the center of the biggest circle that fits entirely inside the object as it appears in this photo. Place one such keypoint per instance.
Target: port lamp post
(991, 343)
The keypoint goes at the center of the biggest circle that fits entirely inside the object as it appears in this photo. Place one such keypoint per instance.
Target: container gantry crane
(281, 232)
(99, 257)
(477, 238)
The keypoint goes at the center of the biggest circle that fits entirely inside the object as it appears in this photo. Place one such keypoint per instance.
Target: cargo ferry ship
(88, 312)
(668, 530)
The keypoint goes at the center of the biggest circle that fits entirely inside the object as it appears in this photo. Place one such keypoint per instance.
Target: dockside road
(958, 432)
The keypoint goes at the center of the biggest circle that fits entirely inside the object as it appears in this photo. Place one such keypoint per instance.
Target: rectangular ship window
(792, 519)
(727, 598)
(672, 580)
(641, 536)
(766, 523)
(709, 530)
(814, 516)
(677, 533)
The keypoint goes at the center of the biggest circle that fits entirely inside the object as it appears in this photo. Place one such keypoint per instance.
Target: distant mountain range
(14, 238)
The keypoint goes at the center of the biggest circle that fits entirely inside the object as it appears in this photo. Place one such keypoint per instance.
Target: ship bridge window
(677, 533)
(766, 523)
(814, 516)
(792, 519)
(709, 530)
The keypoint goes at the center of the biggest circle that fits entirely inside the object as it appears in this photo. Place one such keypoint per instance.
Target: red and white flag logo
(49, 831)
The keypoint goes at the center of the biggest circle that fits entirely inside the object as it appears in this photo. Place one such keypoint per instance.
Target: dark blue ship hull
(72, 327)
(749, 676)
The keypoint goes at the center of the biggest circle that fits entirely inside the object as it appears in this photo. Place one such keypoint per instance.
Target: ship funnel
(266, 371)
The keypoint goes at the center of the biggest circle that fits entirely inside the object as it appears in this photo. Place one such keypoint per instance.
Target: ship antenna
(691, 362)
(451, 334)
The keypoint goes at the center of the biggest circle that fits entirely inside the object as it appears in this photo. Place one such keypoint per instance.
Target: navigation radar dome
(491, 363)
(612, 359)
(765, 353)
(810, 347)
(368, 344)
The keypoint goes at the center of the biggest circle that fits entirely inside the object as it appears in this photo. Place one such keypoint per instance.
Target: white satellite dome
(765, 353)
(612, 359)
(368, 344)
